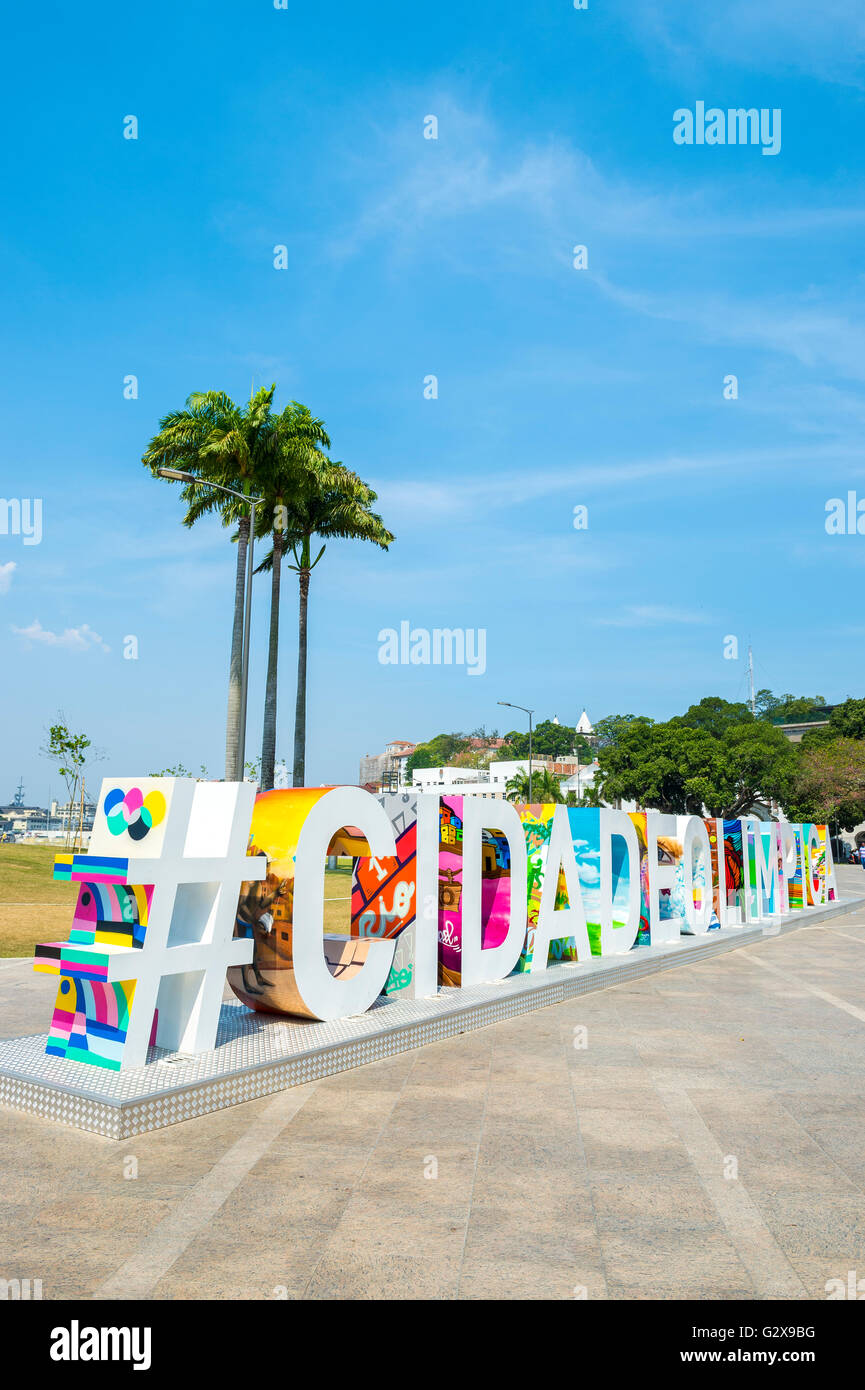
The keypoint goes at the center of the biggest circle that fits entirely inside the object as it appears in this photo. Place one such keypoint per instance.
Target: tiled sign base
(257, 1054)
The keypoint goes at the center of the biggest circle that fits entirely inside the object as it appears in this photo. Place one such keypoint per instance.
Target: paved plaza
(694, 1135)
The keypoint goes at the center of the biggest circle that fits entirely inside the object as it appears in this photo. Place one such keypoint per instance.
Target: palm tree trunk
(300, 708)
(233, 770)
(268, 739)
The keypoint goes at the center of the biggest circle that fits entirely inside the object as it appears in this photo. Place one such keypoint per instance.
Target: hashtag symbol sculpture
(154, 930)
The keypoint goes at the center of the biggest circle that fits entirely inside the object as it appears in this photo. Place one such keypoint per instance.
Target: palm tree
(299, 435)
(329, 502)
(545, 790)
(224, 443)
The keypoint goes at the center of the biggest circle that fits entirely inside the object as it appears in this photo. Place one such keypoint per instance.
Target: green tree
(788, 709)
(180, 771)
(329, 502)
(300, 437)
(608, 729)
(716, 756)
(221, 442)
(549, 740)
(471, 757)
(715, 715)
(830, 783)
(69, 751)
(436, 752)
(591, 797)
(546, 790)
(847, 720)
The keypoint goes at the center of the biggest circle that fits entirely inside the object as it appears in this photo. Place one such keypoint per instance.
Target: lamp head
(177, 475)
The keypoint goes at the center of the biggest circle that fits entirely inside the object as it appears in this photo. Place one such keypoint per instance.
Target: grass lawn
(34, 908)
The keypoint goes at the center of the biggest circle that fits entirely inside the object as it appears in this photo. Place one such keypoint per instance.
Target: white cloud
(826, 40)
(490, 204)
(407, 498)
(815, 334)
(73, 639)
(6, 572)
(484, 199)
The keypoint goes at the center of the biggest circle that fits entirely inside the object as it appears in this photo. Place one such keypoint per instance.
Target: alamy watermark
(851, 1287)
(845, 518)
(22, 516)
(732, 127)
(77, 1343)
(444, 646)
(15, 1290)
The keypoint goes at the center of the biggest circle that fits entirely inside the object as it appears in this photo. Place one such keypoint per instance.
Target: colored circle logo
(133, 812)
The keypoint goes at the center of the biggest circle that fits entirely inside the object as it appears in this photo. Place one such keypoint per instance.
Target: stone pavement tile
(771, 1148)
(273, 1266)
(389, 1074)
(30, 1143)
(710, 1291)
(502, 1108)
(629, 1079)
(347, 1122)
(841, 1142)
(341, 1126)
(506, 1082)
(89, 1164)
(675, 988)
(264, 1204)
(498, 1183)
(764, 1071)
(533, 1153)
(816, 1108)
(615, 1056)
(406, 1171)
(294, 1159)
(826, 1086)
(607, 1033)
(688, 1261)
(384, 1276)
(641, 1099)
(118, 1210)
(632, 1141)
(400, 1223)
(690, 1078)
(364, 1107)
(508, 1280)
(838, 1062)
(559, 1231)
(186, 1152)
(457, 1108)
(629, 1204)
(16, 1222)
(466, 1054)
(817, 1271)
(69, 1266)
(437, 1131)
(672, 1044)
(821, 1109)
(435, 1095)
(606, 1030)
(814, 1224)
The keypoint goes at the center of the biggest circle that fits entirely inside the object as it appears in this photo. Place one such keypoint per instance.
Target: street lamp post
(180, 476)
(529, 712)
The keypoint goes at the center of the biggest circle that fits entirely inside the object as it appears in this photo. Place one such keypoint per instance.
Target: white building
(386, 770)
(492, 781)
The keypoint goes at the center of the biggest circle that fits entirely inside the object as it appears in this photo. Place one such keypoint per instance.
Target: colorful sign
(186, 881)
(152, 932)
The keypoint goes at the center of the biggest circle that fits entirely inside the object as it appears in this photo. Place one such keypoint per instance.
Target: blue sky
(409, 257)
